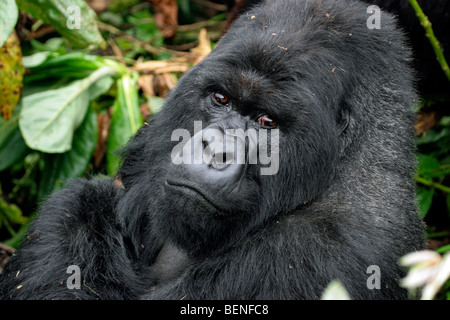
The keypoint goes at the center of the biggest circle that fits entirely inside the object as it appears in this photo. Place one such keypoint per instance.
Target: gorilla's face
(250, 140)
(246, 147)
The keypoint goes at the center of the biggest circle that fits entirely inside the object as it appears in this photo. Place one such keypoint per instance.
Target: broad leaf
(11, 75)
(12, 145)
(74, 65)
(35, 59)
(48, 119)
(155, 104)
(73, 19)
(126, 119)
(72, 164)
(8, 19)
(427, 164)
(424, 199)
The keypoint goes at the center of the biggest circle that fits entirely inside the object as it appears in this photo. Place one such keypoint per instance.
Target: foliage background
(72, 92)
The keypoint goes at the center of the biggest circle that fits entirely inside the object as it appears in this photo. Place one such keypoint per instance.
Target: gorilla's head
(298, 97)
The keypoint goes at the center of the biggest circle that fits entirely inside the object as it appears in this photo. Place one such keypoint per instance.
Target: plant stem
(146, 46)
(432, 184)
(426, 24)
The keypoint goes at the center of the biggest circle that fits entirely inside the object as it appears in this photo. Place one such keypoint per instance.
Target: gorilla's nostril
(221, 160)
(218, 166)
(205, 144)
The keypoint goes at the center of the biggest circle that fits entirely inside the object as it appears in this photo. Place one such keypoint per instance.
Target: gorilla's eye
(220, 98)
(267, 121)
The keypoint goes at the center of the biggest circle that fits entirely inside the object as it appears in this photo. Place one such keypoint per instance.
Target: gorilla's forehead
(263, 54)
(257, 60)
(309, 39)
(252, 67)
(237, 77)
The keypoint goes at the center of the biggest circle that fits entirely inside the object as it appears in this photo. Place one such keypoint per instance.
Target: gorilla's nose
(223, 156)
(220, 151)
(213, 165)
(215, 157)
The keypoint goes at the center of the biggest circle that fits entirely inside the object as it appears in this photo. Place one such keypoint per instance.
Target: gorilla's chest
(170, 264)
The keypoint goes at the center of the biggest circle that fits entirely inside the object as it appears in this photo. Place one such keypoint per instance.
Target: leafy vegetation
(69, 102)
(74, 90)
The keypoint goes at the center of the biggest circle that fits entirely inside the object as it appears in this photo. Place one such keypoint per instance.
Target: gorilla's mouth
(196, 194)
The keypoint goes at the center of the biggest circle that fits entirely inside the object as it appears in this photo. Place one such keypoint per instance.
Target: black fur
(430, 77)
(342, 200)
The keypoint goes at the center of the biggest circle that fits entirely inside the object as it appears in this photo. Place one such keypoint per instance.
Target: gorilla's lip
(189, 190)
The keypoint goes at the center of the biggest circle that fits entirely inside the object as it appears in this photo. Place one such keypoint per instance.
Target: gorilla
(321, 105)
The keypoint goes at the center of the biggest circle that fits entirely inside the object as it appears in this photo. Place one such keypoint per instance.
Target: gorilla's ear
(343, 119)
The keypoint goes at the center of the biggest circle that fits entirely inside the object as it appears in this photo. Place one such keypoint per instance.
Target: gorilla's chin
(195, 218)
(199, 227)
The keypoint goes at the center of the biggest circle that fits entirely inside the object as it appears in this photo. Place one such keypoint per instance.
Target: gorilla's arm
(76, 226)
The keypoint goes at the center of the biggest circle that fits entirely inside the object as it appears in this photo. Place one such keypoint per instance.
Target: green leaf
(73, 19)
(427, 163)
(125, 121)
(35, 59)
(72, 60)
(8, 19)
(12, 145)
(432, 136)
(56, 44)
(443, 249)
(445, 121)
(48, 119)
(122, 5)
(448, 203)
(75, 65)
(11, 75)
(155, 104)
(18, 237)
(424, 199)
(72, 65)
(145, 28)
(72, 164)
(428, 166)
(185, 9)
(14, 214)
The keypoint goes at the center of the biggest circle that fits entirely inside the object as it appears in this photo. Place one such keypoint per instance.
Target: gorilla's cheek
(307, 162)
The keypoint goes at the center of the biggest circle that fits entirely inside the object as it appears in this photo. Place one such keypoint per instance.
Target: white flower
(428, 269)
(335, 291)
